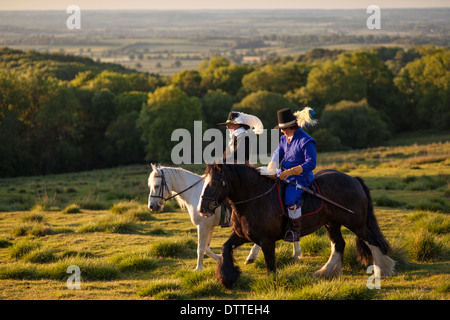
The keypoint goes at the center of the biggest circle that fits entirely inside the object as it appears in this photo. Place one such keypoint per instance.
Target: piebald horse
(260, 219)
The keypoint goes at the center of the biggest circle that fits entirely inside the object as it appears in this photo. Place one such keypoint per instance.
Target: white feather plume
(250, 120)
(304, 118)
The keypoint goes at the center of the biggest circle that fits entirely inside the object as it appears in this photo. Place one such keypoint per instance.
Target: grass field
(98, 221)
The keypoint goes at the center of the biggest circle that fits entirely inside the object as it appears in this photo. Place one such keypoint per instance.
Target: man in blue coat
(296, 157)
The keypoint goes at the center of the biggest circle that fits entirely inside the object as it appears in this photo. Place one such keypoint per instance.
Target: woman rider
(238, 149)
(296, 156)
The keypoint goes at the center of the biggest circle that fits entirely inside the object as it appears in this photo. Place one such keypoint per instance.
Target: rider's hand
(295, 171)
(272, 168)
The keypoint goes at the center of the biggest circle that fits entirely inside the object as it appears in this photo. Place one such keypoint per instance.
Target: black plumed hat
(286, 118)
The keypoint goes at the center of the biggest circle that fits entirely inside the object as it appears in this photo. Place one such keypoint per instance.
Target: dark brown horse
(258, 217)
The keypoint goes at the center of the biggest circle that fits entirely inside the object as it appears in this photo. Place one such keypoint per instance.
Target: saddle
(310, 203)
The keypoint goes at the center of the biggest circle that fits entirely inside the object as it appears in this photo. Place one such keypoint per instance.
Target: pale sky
(215, 4)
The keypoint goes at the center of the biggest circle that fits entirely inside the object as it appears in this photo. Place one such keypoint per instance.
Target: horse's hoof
(328, 274)
(249, 261)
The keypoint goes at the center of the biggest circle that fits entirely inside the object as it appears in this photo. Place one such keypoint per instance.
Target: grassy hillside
(98, 220)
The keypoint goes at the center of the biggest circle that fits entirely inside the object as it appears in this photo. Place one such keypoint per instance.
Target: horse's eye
(156, 187)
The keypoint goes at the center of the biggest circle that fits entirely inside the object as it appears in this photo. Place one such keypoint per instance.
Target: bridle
(216, 187)
(165, 186)
(222, 181)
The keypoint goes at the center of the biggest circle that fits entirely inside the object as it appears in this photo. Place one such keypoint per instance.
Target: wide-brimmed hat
(246, 120)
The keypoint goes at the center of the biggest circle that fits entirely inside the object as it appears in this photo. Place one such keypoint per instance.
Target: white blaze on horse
(186, 187)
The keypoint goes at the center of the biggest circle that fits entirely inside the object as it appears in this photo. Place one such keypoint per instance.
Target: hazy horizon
(50, 5)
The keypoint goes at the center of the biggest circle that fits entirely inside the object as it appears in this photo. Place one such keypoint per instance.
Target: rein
(214, 204)
(256, 197)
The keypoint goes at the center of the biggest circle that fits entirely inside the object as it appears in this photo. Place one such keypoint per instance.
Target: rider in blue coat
(296, 157)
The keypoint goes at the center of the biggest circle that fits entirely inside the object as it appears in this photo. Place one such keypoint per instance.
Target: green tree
(425, 86)
(215, 106)
(279, 78)
(326, 142)
(378, 79)
(264, 105)
(167, 109)
(129, 101)
(113, 81)
(219, 74)
(190, 81)
(124, 138)
(15, 158)
(97, 112)
(329, 84)
(355, 123)
(102, 110)
(57, 132)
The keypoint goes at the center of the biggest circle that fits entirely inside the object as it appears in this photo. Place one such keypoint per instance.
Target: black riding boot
(293, 234)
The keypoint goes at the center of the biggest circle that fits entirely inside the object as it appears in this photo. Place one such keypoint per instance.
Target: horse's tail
(375, 235)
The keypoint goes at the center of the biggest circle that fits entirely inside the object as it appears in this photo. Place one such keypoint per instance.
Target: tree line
(62, 113)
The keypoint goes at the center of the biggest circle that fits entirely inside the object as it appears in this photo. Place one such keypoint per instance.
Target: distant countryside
(167, 42)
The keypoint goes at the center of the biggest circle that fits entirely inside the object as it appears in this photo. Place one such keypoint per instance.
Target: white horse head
(159, 187)
(163, 181)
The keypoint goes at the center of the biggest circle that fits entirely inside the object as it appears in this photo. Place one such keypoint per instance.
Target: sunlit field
(99, 221)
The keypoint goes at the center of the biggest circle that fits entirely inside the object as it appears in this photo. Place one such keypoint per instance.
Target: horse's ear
(153, 166)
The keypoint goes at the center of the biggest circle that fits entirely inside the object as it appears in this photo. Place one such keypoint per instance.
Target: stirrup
(292, 233)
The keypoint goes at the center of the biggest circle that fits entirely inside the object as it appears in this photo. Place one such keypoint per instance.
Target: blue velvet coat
(300, 151)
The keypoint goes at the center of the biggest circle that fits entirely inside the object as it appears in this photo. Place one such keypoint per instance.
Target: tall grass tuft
(23, 247)
(110, 223)
(123, 206)
(336, 289)
(72, 208)
(36, 229)
(31, 251)
(160, 289)
(5, 241)
(181, 246)
(434, 222)
(386, 201)
(282, 285)
(133, 209)
(134, 261)
(283, 256)
(91, 269)
(18, 270)
(40, 255)
(32, 217)
(314, 244)
(201, 284)
(426, 246)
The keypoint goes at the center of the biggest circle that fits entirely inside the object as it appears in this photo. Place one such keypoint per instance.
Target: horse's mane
(179, 174)
(246, 174)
